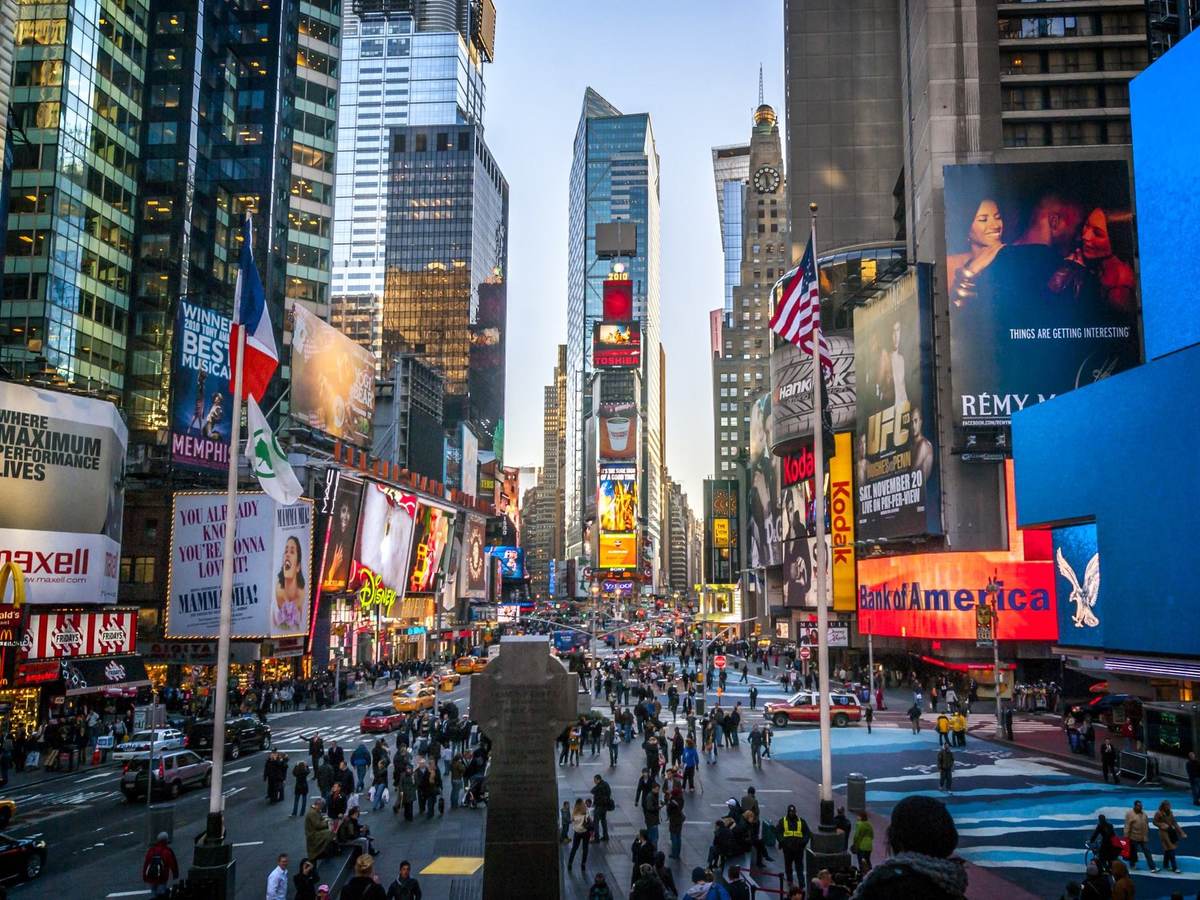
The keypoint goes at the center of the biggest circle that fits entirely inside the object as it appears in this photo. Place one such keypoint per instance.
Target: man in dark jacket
(945, 764)
(1108, 761)
(601, 803)
(793, 839)
(922, 838)
(345, 778)
(643, 854)
(651, 806)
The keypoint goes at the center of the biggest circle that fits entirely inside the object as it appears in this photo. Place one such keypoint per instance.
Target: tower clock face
(766, 180)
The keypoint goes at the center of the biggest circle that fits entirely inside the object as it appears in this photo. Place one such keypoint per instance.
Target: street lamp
(993, 617)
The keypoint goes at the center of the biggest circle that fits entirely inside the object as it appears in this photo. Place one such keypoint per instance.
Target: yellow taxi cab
(447, 679)
(414, 697)
(464, 665)
(8, 812)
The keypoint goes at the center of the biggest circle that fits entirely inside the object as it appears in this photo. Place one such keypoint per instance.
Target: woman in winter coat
(1123, 888)
(647, 886)
(1169, 834)
(581, 833)
(862, 841)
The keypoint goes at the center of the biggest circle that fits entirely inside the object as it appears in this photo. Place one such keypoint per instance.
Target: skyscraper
(614, 177)
(444, 269)
(554, 453)
(731, 172)
(402, 64)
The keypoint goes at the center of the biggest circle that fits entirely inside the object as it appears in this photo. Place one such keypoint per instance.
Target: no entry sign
(805, 654)
(719, 661)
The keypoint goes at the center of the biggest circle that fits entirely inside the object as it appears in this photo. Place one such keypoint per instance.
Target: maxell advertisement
(333, 380)
(343, 529)
(617, 345)
(618, 432)
(385, 537)
(1039, 269)
(473, 579)
(201, 411)
(765, 539)
(896, 465)
(273, 568)
(62, 469)
(431, 543)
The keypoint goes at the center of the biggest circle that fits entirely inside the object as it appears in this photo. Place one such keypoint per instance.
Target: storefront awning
(87, 676)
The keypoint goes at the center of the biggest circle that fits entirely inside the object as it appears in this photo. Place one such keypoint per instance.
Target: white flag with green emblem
(267, 460)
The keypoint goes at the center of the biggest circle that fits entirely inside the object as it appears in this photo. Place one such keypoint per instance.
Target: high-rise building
(76, 108)
(731, 172)
(679, 521)
(741, 369)
(408, 417)
(403, 63)
(554, 452)
(442, 267)
(614, 178)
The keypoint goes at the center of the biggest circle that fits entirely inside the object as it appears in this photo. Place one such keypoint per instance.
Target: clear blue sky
(694, 68)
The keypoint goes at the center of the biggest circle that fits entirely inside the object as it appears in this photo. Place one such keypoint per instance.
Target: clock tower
(741, 372)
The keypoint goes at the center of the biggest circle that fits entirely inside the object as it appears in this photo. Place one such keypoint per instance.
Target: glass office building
(446, 251)
(614, 176)
(731, 172)
(397, 70)
(76, 106)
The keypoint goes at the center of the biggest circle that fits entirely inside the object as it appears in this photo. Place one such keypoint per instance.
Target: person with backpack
(160, 866)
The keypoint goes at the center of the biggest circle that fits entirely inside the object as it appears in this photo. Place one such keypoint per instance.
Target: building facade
(409, 410)
(438, 262)
(614, 177)
(402, 64)
(731, 174)
(554, 452)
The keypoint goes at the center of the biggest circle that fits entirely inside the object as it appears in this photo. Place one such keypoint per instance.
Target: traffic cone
(95, 756)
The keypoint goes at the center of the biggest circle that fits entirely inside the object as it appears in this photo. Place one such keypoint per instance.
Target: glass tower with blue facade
(731, 172)
(614, 177)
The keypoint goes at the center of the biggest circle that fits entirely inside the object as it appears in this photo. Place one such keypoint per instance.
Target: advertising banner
(343, 529)
(617, 298)
(485, 378)
(843, 561)
(721, 603)
(618, 432)
(763, 501)
(617, 345)
(1039, 268)
(51, 635)
(618, 503)
(470, 462)
(333, 380)
(896, 474)
(385, 537)
(62, 464)
(12, 634)
(201, 412)
(473, 579)
(511, 560)
(1081, 610)
(509, 485)
(272, 571)
(791, 377)
(721, 502)
(935, 595)
(429, 547)
(618, 550)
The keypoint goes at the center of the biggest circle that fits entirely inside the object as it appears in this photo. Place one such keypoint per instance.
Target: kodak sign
(841, 524)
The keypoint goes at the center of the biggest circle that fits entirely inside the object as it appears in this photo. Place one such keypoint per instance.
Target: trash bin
(699, 706)
(160, 819)
(856, 792)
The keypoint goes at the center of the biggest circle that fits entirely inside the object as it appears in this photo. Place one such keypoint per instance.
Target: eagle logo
(1084, 597)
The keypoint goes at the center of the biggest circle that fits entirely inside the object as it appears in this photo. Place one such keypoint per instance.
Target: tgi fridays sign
(52, 635)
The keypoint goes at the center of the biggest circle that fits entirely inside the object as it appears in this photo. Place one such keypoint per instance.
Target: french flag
(250, 312)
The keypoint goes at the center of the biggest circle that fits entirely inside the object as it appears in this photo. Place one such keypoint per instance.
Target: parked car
(21, 859)
(380, 719)
(414, 697)
(142, 742)
(804, 707)
(172, 772)
(241, 733)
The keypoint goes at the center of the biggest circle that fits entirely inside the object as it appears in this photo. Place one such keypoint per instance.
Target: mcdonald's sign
(10, 571)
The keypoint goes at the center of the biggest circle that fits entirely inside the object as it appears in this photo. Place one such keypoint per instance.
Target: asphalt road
(97, 840)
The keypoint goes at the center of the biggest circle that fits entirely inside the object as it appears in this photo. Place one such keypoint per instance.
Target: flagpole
(216, 828)
(822, 557)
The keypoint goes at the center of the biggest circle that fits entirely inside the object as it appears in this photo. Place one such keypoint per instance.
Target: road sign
(719, 661)
(805, 654)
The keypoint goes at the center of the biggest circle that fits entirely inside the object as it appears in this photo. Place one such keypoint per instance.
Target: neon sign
(373, 593)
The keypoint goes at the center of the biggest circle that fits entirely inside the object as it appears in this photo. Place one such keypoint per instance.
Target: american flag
(798, 316)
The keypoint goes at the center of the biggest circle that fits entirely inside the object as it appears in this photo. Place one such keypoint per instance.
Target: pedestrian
(753, 696)
(1096, 884)
(651, 807)
(646, 885)
(756, 747)
(1108, 763)
(1122, 886)
(564, 823)
(581, 834)
(614, 743)
(675, 819)
(869, 716)
(318, 839)
(914, 716)
(879, 705)
(945, 765)
(159, 866)
(842, 826)
(599, 889)
(793, 839)
(665, 876)
(325, 777)
(1169, 834)
(691, 759)
(365, 883)
(306, 880)
(862, 842)
(277, 881)
(602, 804)
(379, 785)
(1137, 832)
(921, 838)
(1103, 843)
(361, 760)
(643, 852)
(943, 730)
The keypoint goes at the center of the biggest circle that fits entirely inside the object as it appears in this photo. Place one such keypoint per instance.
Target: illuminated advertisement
(432, 539)
(271, 581)
(617, 345)
(720, 532)
(385, 536)
(618, 431)
(62, 462)
(721, 603)
(511, 562)
(51, 635)
(721, 564)
(763, 491)
(343, 529)
(333, 380)
(791, 395)
(896, 458)
(1077, 585)
(1039, 268)
(617, 505)
(618, 551)
(485, 372)
(617, 297)
(840, 509)
(473, 578)
(509, 487)
(201, 412)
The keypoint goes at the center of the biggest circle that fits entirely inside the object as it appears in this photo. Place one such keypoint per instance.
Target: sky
(692, 66)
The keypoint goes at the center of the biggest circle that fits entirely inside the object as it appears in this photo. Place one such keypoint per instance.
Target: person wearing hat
(365, 883)
(793, 839)
(921, 839)
(160, 866)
